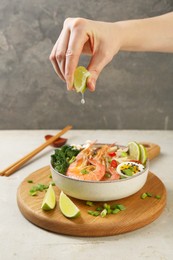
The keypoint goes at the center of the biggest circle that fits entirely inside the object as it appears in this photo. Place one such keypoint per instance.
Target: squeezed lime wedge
(143, 154)
(67, 207)
(134, 150)
(80, 78)
(49, 200)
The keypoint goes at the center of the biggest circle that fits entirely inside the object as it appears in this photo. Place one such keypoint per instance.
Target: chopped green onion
(34, 188)
(52, 183)
(124, 154)
(33, 193)
(50, 176)
(107, 175)
(121, 207)
(106, 206)
(38, 187)
(84, 171)
(149, 194)
(30, 181)
(158, 197)
(41, 187)
(109, 160)
(103, 213)
(114, 206)
(106, 209)
(89, 203)
(144, 195)
(109, 211)
(93, 213)
(115, 211)
(99, 208)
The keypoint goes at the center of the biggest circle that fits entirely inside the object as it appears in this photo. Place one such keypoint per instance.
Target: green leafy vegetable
(63, 157)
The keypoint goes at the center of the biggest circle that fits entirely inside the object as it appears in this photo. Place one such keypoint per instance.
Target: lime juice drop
(83, 99)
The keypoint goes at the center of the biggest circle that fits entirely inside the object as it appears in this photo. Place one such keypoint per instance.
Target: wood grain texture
(153, 150)
(138, 212)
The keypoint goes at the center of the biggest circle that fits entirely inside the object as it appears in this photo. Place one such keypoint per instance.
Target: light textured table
(20, 239)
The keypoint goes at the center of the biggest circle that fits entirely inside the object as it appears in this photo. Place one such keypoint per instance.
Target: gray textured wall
(135, 91)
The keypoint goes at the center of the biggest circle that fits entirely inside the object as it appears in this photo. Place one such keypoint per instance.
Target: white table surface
(20, 239)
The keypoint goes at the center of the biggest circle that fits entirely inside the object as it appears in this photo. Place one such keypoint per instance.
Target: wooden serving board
(138, 212)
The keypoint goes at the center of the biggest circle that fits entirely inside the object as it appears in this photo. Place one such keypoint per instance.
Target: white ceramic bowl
(100, 190)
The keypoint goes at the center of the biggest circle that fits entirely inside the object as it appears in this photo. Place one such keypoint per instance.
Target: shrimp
(112, 175)
(94, 171)
(90, 164)
(101, 152)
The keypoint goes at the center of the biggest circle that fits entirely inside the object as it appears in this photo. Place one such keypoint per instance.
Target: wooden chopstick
(15, 166)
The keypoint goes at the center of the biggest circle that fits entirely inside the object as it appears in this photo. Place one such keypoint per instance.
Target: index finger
(76, 43)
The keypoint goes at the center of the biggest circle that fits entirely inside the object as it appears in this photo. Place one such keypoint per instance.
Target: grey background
(135, 91)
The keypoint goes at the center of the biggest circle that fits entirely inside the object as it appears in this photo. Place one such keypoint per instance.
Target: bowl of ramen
(99, 172)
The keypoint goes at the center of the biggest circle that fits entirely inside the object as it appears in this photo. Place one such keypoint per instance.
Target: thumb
(96, 65)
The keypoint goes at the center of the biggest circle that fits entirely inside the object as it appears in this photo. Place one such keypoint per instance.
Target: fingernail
(69, 86)
(91, 85)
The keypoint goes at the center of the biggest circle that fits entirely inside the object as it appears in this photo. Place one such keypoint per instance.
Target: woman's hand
(82, 36)
(103, 40)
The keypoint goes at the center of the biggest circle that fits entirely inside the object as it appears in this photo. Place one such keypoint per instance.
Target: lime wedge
(49, 200)
(143, 154)
(80, 77)
(134, 150)
(67, 207)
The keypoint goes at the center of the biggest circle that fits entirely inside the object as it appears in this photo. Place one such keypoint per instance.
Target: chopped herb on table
(94, 213)
(144, 195)
(105, 209)
(99, 208)
(103, 213)
(120, 207)
(149, 195)
(158, 197)
(39, 187)
(89, 203)
(30, 181)
(52, 183)
(115, 211)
